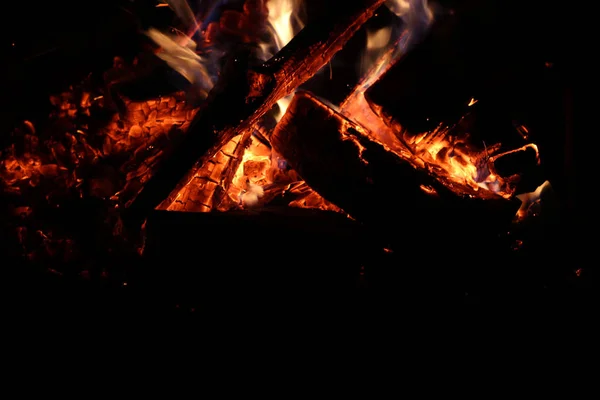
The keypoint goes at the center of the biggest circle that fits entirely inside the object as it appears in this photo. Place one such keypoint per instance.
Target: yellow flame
(528, 199)
(458, 160)
(182, 58)
(283, 104)
(405, 9)
(282, 15)
(280, 19)
(417, 16)
(377, 40)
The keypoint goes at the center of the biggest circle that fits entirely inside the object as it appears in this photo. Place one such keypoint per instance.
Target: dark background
(47, 46)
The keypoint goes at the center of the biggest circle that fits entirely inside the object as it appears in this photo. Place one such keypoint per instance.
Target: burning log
(342, 162)
(243, 95)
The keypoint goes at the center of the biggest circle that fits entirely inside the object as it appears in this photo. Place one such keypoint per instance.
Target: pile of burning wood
(247, 135)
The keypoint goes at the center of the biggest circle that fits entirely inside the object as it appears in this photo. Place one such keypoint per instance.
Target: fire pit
(277, 148)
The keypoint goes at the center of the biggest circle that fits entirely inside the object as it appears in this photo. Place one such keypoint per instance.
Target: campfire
(403, 149)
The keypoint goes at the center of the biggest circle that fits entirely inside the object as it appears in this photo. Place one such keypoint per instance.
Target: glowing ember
(456, 159)
(252, 174)
(262, 175)
(73, 144)
(85, 153)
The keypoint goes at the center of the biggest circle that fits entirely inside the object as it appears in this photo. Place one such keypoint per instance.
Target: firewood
(244, 94)
(341, 161)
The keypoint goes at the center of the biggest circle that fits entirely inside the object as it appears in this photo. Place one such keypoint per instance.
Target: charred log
(244, 95)
(339, 160)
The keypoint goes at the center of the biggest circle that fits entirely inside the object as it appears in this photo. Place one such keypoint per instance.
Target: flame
(458, 160)
(281, 14)
(377, 40)
(283, 105)
(454, 158)
(530, 199)
(379, 56)
(417, 16)
(182, 58)
(284, 23)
